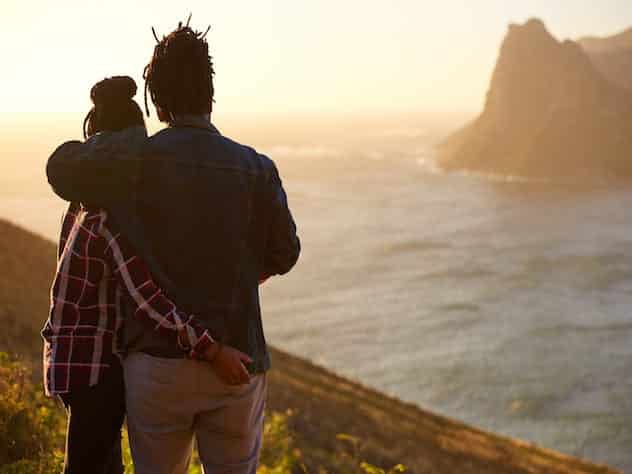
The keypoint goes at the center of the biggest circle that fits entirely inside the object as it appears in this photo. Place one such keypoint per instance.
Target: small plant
(278, 456)
(371, 469)
(362, 467)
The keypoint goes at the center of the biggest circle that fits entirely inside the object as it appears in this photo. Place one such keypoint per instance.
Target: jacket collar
(194, 121)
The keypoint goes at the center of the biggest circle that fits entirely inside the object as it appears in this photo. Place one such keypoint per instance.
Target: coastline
(323, 405)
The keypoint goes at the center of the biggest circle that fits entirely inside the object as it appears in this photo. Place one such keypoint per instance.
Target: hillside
(612, 55)
(382, 430)
(549, 113)
(27, 265)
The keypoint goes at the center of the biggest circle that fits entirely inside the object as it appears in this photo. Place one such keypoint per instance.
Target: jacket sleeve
(151, 305)
(101, 171)
(283, 246)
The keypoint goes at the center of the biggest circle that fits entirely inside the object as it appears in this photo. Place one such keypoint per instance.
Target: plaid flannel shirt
(95, 268)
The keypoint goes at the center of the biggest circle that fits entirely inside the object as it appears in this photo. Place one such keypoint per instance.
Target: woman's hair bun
(113, 89)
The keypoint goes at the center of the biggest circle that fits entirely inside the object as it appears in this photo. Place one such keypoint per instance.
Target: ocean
(498, 301)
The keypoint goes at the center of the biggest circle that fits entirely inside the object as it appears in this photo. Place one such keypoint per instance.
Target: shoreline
(324, 404)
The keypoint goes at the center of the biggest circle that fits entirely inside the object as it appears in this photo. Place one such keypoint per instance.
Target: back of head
(114, 107)
(179, 76)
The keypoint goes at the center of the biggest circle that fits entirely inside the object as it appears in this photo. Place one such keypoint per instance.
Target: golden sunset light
(350, 237)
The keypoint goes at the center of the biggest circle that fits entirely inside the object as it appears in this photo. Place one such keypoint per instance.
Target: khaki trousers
(171, 402)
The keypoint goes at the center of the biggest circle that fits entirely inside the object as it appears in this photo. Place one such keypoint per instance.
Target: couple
(155, 309)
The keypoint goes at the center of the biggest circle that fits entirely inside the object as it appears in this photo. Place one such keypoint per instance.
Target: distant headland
(553, 109)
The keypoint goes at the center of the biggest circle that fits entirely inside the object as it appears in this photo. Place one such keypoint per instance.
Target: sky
(282, 57)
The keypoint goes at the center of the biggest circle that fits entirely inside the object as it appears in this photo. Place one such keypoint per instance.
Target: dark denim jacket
(208, 214)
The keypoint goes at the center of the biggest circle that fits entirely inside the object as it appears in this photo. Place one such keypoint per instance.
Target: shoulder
(95, 216)
(85, 222)
(251, 153)
(258, 162)
(93, 219)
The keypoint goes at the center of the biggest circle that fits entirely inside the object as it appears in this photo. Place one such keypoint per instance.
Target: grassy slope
(27, 265)
(324, 404)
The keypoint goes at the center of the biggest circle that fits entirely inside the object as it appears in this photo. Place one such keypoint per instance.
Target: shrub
(32, 430)
(31, 426)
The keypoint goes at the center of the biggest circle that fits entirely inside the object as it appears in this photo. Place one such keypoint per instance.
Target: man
(210, 218)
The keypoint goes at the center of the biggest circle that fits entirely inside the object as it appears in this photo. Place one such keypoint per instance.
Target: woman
(96, 270)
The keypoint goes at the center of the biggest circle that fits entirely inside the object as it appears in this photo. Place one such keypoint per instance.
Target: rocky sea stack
(551, 111)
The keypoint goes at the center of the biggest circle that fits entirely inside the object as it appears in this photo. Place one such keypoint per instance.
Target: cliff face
(549, 112)
(612, 56)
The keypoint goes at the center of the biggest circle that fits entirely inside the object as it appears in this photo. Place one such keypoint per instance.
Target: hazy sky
(283, 56)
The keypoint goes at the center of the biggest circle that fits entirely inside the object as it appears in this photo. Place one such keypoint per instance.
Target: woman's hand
(228, 363)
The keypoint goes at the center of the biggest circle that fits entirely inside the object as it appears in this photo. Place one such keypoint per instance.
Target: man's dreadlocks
(179, 76)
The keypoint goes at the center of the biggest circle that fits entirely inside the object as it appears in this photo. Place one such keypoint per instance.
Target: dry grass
(392, 431)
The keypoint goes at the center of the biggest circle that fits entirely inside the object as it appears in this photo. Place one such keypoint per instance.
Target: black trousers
(95, 419)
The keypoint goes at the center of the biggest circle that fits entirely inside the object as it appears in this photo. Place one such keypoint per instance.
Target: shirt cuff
(203, 342)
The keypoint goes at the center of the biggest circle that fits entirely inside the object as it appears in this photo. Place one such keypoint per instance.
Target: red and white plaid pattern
(94, 268)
